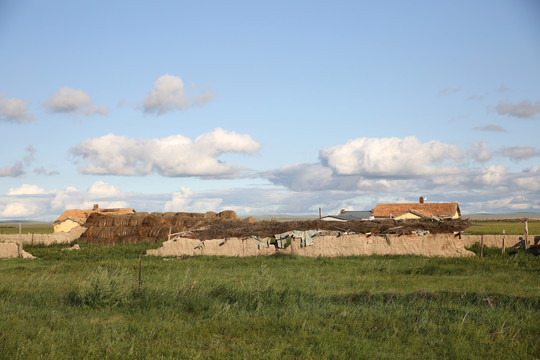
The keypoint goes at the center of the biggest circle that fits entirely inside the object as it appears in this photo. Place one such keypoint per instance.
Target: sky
(268, 107)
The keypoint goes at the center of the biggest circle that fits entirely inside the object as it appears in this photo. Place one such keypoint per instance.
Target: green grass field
(496, 227)
(84, 304)
(36, 228)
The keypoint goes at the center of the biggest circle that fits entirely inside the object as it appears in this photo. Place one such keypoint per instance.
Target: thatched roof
(427, 210)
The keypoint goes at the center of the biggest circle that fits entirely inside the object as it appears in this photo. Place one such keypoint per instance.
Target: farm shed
(72, 218)
(418, 210)
(348, 216)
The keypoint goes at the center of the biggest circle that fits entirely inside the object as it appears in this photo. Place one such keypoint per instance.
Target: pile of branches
(240, 229)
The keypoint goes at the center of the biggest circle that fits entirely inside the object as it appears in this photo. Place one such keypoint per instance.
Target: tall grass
(85, 305)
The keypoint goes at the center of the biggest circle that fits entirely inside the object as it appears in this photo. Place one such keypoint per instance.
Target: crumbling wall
(12, 250)
(444, 245)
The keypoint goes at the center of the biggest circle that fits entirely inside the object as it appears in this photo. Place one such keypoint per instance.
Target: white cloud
(524, 109)
(173, 156)
(13, 170)
(390, 157)
(184, 201)
(479, 152)
(168, 94)
(492, 175)
(18, 210)
(529, 179)
(14, 110)
(68, 100)
(26, 189)
(101, 188)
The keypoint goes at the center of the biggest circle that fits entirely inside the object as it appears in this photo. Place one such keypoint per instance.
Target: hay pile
(155, 227)
(145, 227)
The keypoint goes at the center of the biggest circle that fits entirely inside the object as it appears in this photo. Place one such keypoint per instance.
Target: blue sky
(268, 107)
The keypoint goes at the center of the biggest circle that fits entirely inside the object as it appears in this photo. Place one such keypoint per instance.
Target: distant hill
(27, 222)
(531, 215)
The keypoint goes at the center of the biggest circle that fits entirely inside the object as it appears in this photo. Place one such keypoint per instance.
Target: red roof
(440, 210)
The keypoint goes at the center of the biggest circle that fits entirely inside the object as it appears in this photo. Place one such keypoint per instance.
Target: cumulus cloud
(519, 152)
(524, 109)
(68, 100)
(26, 189)
(12, 170)
(389, 157)
(14, 110)
(172, 156)
(101, 188)
(106, 195)
(184, 201)
(479, 152)
(169, 94)
(492, 175)
(529, 179)
(490, 127)
(19, 210)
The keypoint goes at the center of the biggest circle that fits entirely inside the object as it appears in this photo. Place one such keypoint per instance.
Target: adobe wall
(12, 250)
(46, 239)
(328, 246)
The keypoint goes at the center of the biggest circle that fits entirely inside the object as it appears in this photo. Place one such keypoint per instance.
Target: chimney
(96, 207)
(342, 211)
(421, 199)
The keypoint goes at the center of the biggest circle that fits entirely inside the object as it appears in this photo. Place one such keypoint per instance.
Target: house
(73, 218)
(418, 210)
(348, 215)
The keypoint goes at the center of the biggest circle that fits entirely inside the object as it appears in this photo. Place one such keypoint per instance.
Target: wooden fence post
(482, 246)
(503, 242)
(140, 269)
(526, 241)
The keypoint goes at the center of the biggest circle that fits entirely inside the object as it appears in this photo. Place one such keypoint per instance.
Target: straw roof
(428, 210)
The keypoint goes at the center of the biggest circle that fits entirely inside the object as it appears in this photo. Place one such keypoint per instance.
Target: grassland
(84, 304)
(511, 227)
(26, 228)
